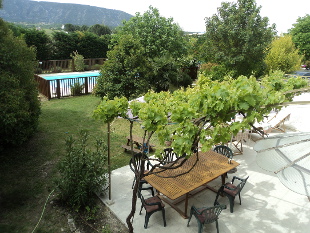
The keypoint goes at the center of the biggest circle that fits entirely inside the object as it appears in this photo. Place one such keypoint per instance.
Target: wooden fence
(58, 66)
(58, 88)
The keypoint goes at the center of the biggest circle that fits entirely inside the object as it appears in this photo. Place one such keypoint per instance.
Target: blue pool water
(69, 75)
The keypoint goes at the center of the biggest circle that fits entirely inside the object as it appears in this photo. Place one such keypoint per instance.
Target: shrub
(96, 67)
(57, 69)
(19, 104)
(78, 61)
(82, 172)
(77, 88)
(87, 68)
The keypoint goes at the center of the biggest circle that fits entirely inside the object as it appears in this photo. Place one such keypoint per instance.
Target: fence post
(72, 67)
(86, 85)
(58, 88)
(49, 96)
(54, 66)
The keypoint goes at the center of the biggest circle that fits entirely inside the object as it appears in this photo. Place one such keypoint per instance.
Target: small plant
(38, 70)
(56, 69)
(96, 67)
(78, 60)
(86, 68)
(77, 88)
(82, 172)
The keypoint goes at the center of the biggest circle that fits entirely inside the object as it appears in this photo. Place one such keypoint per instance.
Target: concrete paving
(267, 205)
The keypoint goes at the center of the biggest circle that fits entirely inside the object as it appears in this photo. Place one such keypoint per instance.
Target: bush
(77, 88)
(57, 69)
(78, 61)
(96, 67)
(19, 103)
(82, 172)
(216, 72)
(87, 68)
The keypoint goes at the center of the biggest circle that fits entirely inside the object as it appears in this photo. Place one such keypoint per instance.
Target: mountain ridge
(28, 11)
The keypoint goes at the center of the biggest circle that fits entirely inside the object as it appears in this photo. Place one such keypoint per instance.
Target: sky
(190, 15)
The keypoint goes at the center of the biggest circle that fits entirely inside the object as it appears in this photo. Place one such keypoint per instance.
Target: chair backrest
(224, 150)
(137, 160)
(169, 155)
(210, 214)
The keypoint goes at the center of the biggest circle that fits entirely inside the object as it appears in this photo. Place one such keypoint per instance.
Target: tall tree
(146, 48)
(100, 30)
(19, 104)
(41, 41)
(283, 55)
(301, 35)
(237, 36)
(91, 45)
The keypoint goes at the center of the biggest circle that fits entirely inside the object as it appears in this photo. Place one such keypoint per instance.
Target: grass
(27, 172)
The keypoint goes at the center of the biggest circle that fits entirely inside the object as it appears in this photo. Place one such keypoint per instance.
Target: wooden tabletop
(209, 166)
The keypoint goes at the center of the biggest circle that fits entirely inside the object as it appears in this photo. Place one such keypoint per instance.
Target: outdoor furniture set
(187, 181)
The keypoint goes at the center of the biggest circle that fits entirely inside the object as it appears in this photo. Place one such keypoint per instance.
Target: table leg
(186, 205)
(223, 178)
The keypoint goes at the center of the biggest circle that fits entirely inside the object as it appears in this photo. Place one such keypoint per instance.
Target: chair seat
(206, 216)
(151, 208)
(231, 192)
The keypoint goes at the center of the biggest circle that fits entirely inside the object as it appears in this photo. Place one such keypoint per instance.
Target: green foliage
(69, 27)
(82, 172)
(77, 88)
(86, 43)
(92, 45)
(157, 35)
(120, 74)
(107, 110)
(41, 41)
(100, 30)
(19, 104)
(64, 44)
(144, 55)
(218, 72)
(301, 35)
(96, 67)
(78, 60)
(283, 55)
(56, 69)
(237, 37)
(200, 114)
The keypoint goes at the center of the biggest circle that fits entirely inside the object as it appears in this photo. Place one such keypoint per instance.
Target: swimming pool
(70, 75)
(60, 85)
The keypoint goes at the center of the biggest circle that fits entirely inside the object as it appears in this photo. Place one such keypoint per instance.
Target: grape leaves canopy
(200, 115)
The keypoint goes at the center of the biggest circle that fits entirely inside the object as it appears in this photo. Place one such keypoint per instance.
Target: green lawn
(27, 172)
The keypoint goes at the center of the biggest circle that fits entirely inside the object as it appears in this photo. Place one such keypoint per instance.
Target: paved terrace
(267, 205)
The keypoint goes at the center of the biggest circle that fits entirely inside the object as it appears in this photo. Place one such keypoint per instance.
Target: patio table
(210, 166)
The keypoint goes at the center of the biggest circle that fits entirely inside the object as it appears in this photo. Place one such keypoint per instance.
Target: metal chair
(151, 205)
(137, 160)
(226, 151)
(169, 156)
(206, 215)
(231, 191)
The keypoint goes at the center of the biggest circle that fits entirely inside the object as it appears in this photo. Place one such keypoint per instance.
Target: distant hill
(33, 12)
